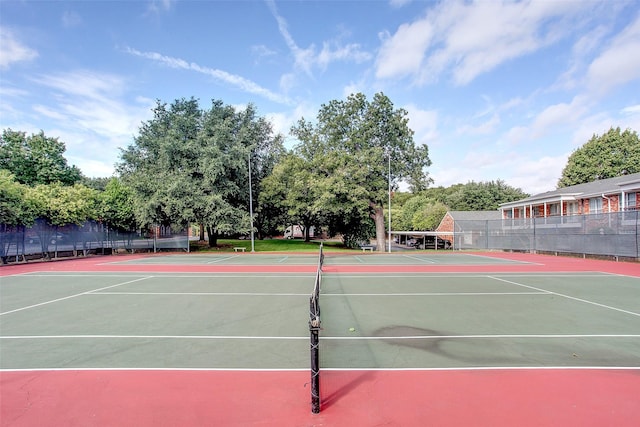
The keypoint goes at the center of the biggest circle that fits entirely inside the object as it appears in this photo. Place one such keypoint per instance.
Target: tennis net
(314, 330)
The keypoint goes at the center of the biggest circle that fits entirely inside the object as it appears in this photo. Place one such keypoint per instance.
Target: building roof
(475, 215)
(573, 192)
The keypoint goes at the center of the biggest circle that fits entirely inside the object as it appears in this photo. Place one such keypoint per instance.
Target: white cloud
(467, 39)
(332, 51)
(536, 176)
(282, 122)
(84, 83)
(354, 87)
(49, 112)
(631, 109)
(71, 19)
(307, 59)
(619, 63)
(424, 123)
(89, 111)
(223, 76)
(403, 53)
(399, 3)
(156, 7)
(287, 82)
(559, 115)
(262, 51)
(6, 92)
(485, 128)
(484, 164)
(12, 50)
(582, 52)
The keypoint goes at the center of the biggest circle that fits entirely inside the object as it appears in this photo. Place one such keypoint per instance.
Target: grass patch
(269, 245)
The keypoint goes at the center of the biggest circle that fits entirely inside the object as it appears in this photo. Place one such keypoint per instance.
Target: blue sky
(496, 89)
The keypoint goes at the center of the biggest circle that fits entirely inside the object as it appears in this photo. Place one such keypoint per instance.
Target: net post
(314, 331)
(315, 371)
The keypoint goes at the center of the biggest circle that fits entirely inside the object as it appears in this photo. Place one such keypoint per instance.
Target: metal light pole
(389, 179)
(251, 206)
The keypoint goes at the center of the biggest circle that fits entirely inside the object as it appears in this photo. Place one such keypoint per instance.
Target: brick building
(602, 196)
(448, 222)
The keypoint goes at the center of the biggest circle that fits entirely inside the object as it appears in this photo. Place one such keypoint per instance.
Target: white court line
(464, 337)
(179, 276)
(427, 275)
(424, 260)
(291, 294)
(341, 338)
(432, 294)
(163, 369)
(147, 337)
(567, 296)
(488, 368)
(461, 368)
(74, 295)
(514, 261)
(360, 260)
(283, 260)
(206, 293)
(222, 259)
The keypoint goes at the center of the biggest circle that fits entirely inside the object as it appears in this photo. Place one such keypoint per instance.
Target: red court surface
(350, 398)
(465, 397)
(529, 263)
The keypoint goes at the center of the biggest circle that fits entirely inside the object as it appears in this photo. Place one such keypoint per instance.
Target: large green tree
(612, 154)
(481, 196)
(16, 207)
(189, 165)
(349, 150)
(36, 159)
(59, 205)
(420, 213)
(116, 206)
(16, 210)
(291, 187)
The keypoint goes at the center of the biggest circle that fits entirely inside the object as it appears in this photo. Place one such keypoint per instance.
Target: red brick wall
(445, 225)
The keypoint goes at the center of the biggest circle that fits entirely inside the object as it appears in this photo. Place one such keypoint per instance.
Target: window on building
(572, 208)
(554, 209)
(595, 205)
(631, 201)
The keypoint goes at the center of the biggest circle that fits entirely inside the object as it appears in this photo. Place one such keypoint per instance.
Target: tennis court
(406, 339)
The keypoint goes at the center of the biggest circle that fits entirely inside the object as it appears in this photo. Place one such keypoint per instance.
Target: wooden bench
(366, 248)
(239, 249)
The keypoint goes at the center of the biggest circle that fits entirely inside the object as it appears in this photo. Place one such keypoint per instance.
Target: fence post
(535, 246)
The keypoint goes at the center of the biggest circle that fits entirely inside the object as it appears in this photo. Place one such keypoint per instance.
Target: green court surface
(396, 259)
(420, 320)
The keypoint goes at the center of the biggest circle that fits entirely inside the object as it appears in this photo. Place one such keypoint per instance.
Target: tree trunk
(201, 232)
(213, 237)
(307, 231)
(378, 218)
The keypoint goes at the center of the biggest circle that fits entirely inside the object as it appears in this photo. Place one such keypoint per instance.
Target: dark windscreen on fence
(612, 234)
(46, 241)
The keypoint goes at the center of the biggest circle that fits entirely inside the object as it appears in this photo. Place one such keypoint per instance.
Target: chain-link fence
(612, 234)
(43, 241)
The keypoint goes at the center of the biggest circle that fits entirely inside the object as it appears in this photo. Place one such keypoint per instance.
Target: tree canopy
(349, 151)
(36, 159)
(191, 165)
(612, 154)
(16, 206)
(480, 196)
